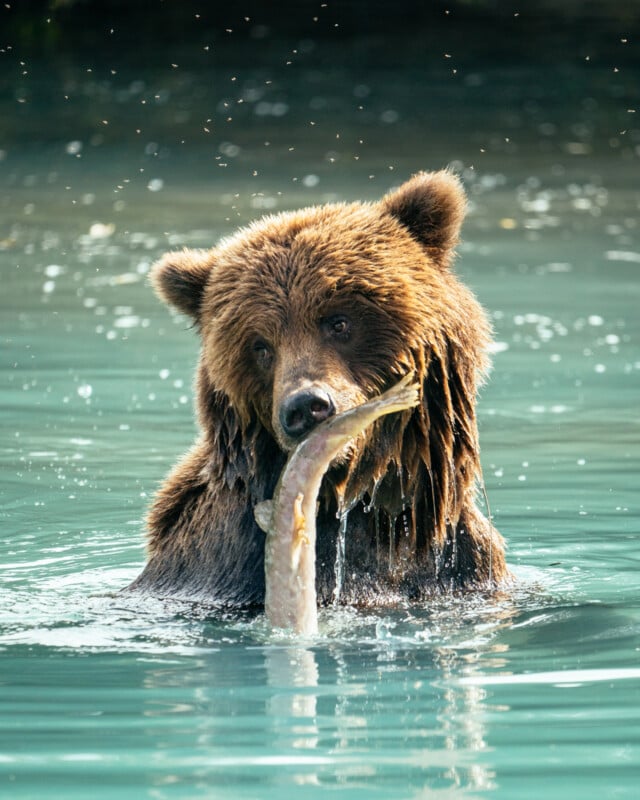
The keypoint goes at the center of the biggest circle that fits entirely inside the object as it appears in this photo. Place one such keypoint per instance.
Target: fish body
(289, 519)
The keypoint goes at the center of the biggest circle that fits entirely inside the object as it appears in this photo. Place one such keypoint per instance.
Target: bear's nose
(303, 410)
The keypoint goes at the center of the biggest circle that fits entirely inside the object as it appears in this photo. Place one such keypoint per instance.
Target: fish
(289, 518)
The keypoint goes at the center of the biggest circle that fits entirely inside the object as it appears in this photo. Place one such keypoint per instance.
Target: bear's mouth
(349, 453)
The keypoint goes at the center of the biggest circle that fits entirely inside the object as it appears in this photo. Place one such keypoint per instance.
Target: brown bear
(302, 315)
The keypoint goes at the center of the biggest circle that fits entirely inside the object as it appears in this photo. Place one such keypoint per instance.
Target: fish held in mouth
(289, 518)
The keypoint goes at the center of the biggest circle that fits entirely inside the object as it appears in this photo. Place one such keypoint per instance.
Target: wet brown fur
(261, 300)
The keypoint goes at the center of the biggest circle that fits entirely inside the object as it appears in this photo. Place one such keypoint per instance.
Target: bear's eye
(337, 326)
(262, 353)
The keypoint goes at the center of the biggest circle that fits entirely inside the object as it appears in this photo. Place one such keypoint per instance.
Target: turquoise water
(534, 692)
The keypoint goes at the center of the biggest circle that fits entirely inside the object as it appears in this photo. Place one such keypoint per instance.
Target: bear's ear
(431, 205)
(179, 279)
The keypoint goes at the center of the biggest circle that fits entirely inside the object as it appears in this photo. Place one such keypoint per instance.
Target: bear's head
(308, 313)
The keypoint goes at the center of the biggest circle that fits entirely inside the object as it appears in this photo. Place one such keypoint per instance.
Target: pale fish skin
(289, 519)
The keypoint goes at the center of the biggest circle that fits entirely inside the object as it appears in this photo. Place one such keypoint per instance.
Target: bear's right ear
(180, 278)
(431, 206)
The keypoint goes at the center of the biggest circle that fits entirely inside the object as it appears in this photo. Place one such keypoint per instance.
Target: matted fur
(263, 302)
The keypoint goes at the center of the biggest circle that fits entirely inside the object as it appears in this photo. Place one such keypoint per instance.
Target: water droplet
(229, 149)
(498, 347)
(389, 116)
(73, 147)
(129, 321)
(101, 230)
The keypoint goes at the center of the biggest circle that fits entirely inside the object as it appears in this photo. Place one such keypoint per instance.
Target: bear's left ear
(431, 205)
(180, 279)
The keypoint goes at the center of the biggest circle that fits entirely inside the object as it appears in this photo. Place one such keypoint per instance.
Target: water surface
(533, 692)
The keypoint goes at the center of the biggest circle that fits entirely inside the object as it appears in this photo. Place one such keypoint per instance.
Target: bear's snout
(303, 410)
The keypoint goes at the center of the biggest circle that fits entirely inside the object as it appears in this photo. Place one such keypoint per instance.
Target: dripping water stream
(340, 553)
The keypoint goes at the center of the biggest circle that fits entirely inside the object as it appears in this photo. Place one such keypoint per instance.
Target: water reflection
(379, 699)
(411, 721)
(292, 675)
